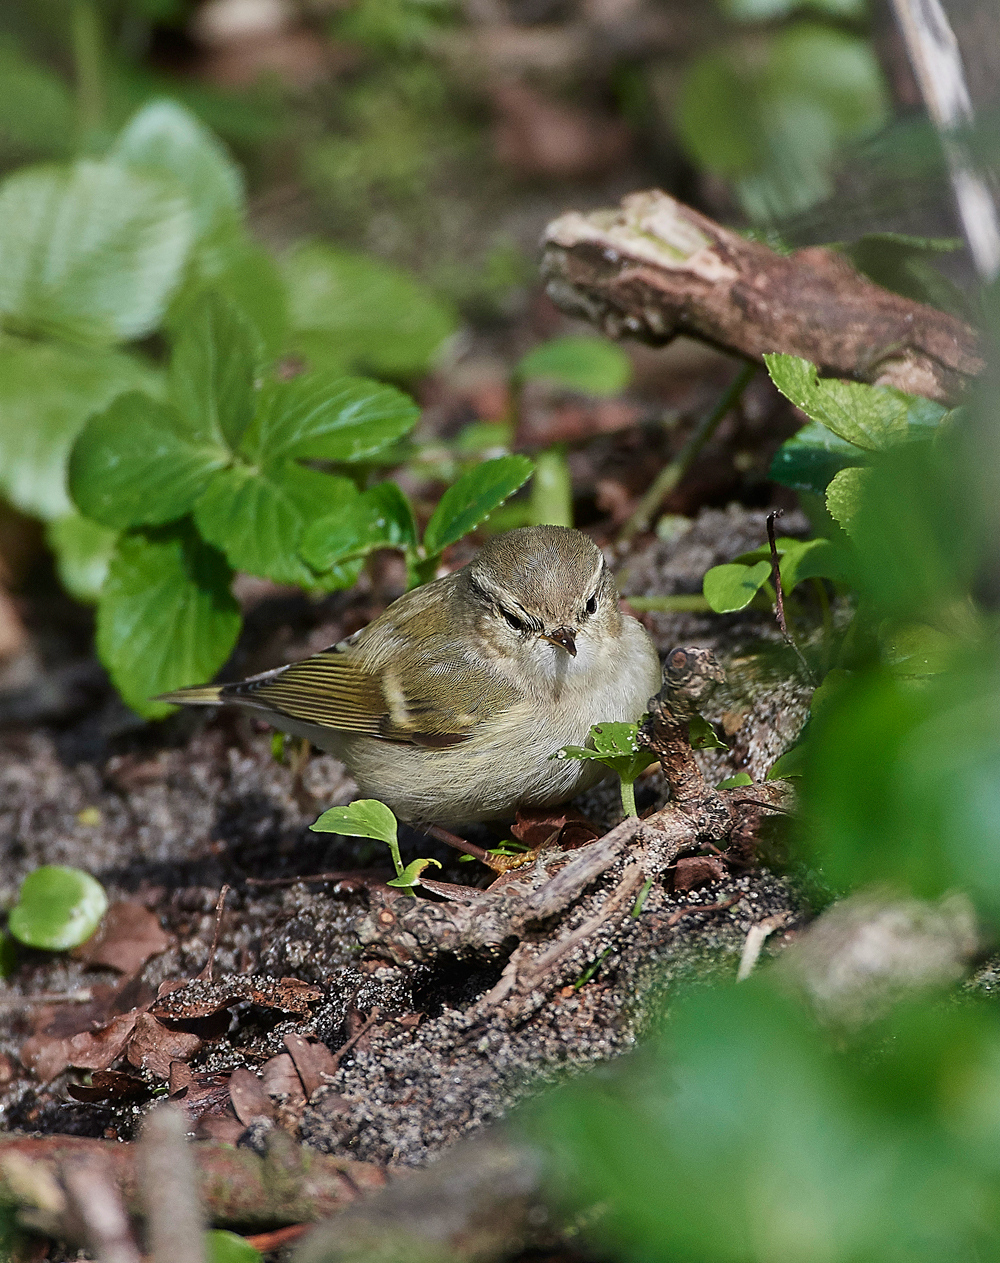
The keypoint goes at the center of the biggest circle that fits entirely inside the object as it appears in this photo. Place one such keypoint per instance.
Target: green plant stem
(88, 62)
(685, 604)
(628, 798)
(668, 477)
(824, 604)
(641, 899)
(552, 489)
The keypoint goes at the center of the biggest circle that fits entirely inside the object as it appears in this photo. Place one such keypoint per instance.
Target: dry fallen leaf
(126, 938)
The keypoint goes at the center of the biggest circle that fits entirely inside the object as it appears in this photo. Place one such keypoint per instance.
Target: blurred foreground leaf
(57, 908)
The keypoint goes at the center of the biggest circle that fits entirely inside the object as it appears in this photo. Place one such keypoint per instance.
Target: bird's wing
(434, 698)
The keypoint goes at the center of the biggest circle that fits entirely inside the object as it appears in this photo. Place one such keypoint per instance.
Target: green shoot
(616, 746)
(368, 818)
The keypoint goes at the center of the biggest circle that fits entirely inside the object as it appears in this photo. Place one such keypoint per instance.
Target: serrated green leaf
(165, 138)
(135, 465)
(592, 366)
(378, 518)
(166, 617)
(871, 417)
(365, 818)
(843, 496)
(352, 312)
(230, 264)
(410, 876)
(229, 1247)
(83, 552)
(57, 908)
(91, 252)
(323, 416)
(732, 587)
(470, 500)
(809, 459)
(212, 372)
(703, 736)
(47, 391)
(257, 516)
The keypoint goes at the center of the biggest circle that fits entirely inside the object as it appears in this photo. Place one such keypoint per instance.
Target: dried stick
(668, 477)
(96, 1202)
(208, 972)
(654, 268)
(779, 600)
(169, 1184)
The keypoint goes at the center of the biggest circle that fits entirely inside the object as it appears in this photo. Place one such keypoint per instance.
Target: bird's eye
(513, 621)
(592, 604)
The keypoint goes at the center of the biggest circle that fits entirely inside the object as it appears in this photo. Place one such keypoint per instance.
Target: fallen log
(653, 268)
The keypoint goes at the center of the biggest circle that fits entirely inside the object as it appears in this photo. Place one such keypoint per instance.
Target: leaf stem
(88, 63)
(628, 798)
(668, 477)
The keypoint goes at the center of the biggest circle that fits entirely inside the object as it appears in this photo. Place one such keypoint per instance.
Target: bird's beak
(565, 637)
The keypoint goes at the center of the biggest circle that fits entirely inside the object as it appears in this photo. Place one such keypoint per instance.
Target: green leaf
(616, 746)
(378, 518)
(470, 500)
(917, 649)
(767, 10)
(364, 818)
(703, 736)
(410, 876)
(257, 516)
(83, 552)
(212, 372)
(57, 908)
(615, 738)
(791, 763)
(91, 252)
(770, 115)
(36, 106)
(229, 1247)
(47, 391)
(323, 416)
(843, 496)
(732, 586)
(166, 617)
(870, 417)
(233, 266)
(809, 459)
(165, 138)
(736, 782)
(353, 312)
(591, 366)
(135, 464)
(812, 559)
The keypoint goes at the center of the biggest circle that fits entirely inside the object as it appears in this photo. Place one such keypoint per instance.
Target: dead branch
(654, 268)
(291, 1184)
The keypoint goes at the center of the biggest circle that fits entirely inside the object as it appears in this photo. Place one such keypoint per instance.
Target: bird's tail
(197, 695)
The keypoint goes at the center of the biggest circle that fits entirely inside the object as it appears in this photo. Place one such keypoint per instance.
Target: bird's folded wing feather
(437, 701)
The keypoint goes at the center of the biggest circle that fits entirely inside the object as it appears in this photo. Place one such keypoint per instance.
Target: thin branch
(668, 477)
(208, 972)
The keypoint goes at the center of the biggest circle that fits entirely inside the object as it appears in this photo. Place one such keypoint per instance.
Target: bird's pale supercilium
(448, 706)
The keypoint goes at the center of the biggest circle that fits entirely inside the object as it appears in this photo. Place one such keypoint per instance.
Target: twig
(345, 1048)
(460, 844)
(754, 942)
(361, 876)
(937, 63)
(169, 1184)
(668, 477)
(208, 972)
(779, 599)
(93, 1197)
(265, 1242)
(702, 907)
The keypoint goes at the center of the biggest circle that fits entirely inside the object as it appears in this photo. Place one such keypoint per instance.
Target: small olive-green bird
(448, 706)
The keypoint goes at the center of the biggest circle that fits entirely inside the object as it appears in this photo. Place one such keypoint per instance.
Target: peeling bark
(654, 268)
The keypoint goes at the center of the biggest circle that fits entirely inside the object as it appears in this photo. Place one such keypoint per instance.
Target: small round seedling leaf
(615, 738)
(471, 500)
(734, 782)
(733, 587)
(410, 876)
(591, 366)
(229, 1247)
(57, 908)
(365, 818)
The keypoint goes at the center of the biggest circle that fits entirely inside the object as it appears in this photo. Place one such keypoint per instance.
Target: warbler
(450, 704)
